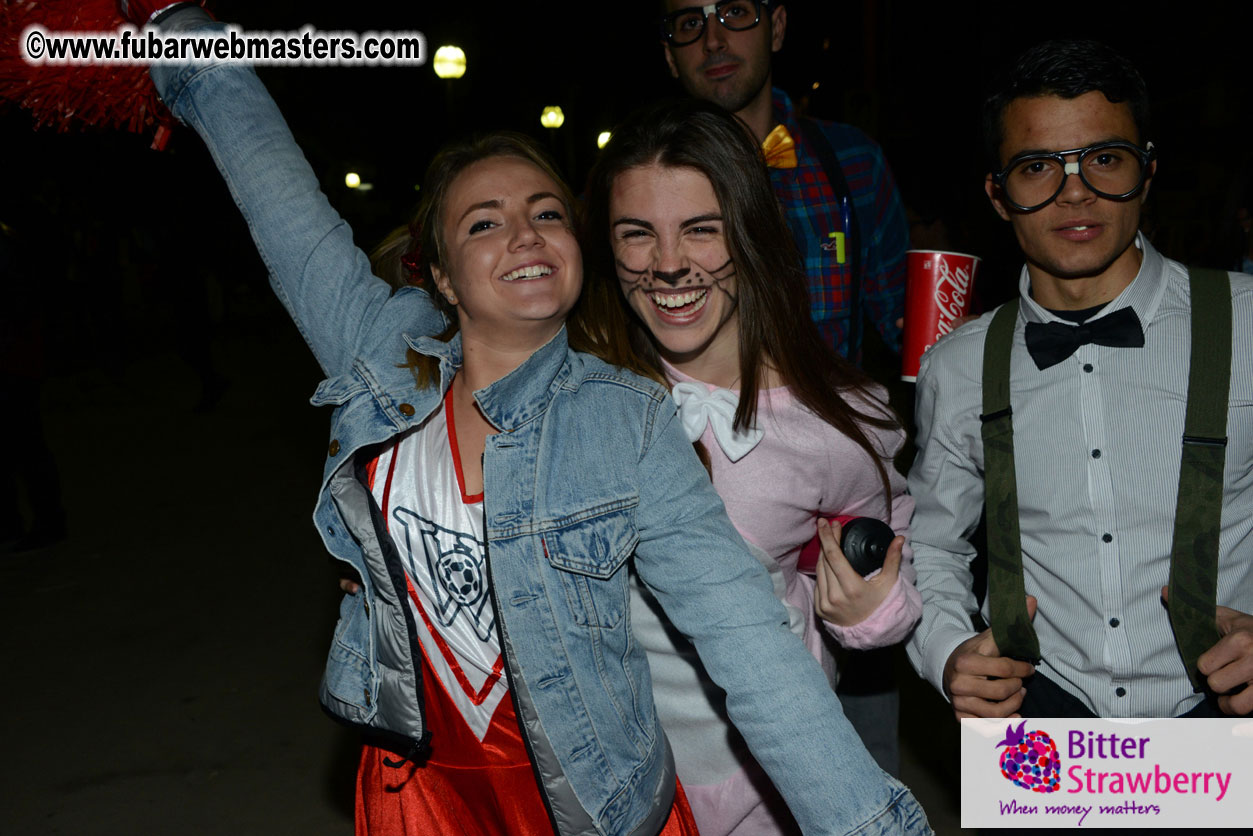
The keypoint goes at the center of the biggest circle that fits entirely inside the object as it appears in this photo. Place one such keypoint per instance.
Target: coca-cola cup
(937, 293)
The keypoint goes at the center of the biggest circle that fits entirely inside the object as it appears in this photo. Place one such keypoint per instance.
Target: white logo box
(1111, 773)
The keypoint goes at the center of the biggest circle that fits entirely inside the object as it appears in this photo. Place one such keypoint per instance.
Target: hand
(1228, 665)
(845, 597)
(983, 683)
(962, 320)
(348, 580)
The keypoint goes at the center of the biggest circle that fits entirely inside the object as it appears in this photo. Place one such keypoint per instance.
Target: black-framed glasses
(1113, 170)
(686, 26)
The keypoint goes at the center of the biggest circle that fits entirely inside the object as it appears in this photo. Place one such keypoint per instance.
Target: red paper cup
(937, 292)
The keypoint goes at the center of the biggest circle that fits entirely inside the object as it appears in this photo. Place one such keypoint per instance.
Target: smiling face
(674, 267)
(1080, 247)
(509, 259)
(730, 69)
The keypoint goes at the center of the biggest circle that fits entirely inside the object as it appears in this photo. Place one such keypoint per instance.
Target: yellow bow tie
(779, 148)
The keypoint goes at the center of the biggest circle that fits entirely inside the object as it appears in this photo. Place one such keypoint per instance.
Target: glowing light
(552, 117)
(449, 62)
(602, 139)
(352, 179)
(815, 87)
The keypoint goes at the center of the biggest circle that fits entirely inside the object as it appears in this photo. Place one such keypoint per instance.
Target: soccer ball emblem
(461, 577)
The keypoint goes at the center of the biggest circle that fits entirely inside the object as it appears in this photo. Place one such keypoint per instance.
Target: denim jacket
(589, 476)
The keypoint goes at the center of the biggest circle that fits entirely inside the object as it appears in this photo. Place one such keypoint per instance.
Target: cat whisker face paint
(680, 293)
(672, 260)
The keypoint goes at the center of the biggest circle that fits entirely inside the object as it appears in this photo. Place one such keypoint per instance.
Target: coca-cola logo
(952, 289)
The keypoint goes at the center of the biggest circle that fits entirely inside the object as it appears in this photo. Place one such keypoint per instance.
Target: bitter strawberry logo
(1030, 759)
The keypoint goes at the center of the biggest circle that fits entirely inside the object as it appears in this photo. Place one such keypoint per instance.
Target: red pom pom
(77, 96)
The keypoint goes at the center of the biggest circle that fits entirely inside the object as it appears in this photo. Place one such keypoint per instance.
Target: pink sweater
(801, 469)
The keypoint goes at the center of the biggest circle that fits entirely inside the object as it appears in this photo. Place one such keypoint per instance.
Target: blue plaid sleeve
(882, 224)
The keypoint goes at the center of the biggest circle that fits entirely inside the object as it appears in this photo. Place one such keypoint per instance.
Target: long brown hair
(585, 329)
(774, 321)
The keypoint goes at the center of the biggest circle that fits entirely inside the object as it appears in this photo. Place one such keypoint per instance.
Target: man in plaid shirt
(721, 52)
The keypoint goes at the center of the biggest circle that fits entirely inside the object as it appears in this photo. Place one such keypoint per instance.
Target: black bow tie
(1052, 342)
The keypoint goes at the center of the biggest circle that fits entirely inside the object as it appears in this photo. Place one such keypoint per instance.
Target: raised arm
(319, 274)
(718, 595)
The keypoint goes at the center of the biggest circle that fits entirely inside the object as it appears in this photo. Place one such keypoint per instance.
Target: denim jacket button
(406, 410)
(334, 448)
(367, 697)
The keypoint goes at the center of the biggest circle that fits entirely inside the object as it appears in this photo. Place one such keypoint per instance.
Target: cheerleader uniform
(477, 778)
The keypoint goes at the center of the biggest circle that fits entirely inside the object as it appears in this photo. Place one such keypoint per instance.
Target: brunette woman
(690, 251)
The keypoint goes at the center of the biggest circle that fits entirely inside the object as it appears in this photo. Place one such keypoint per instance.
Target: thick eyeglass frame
(705, 11)
(1146, 154)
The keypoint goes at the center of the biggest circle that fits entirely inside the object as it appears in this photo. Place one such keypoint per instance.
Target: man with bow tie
(836, 190)
(1105, 418)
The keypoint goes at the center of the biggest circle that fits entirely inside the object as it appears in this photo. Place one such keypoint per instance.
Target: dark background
(163, 647)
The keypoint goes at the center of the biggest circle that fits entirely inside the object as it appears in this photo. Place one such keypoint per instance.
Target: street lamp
(449, 62)
(552, 118)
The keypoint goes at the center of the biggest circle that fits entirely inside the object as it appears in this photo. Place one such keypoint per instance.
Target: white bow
(699, 407)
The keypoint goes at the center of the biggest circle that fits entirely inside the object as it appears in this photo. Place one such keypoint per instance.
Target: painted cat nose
(671, 277)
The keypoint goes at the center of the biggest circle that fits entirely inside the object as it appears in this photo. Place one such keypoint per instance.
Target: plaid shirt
(813, 212)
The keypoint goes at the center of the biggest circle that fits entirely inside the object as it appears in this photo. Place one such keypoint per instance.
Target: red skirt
(465, 786)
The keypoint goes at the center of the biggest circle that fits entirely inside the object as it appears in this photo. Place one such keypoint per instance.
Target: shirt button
(1087, 367)
(1120, 691)
(1096, 454)
(1113, 622)
(330, 529)
(334, 448)
(406, 410)
(1107, 538)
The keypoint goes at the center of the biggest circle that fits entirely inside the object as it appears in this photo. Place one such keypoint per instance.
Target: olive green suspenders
(1198, 510)
(1007, 595)
(1194, 554)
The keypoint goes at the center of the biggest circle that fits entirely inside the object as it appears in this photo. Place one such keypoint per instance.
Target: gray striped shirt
(1097, 443)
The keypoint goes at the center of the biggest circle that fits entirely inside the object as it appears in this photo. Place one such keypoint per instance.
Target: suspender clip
(999, 414)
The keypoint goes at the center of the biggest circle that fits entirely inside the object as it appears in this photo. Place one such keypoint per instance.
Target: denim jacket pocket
(338, 390)
(347, 677)
(589, 552)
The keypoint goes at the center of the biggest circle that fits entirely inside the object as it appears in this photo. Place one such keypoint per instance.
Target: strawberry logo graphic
(1030, 759)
